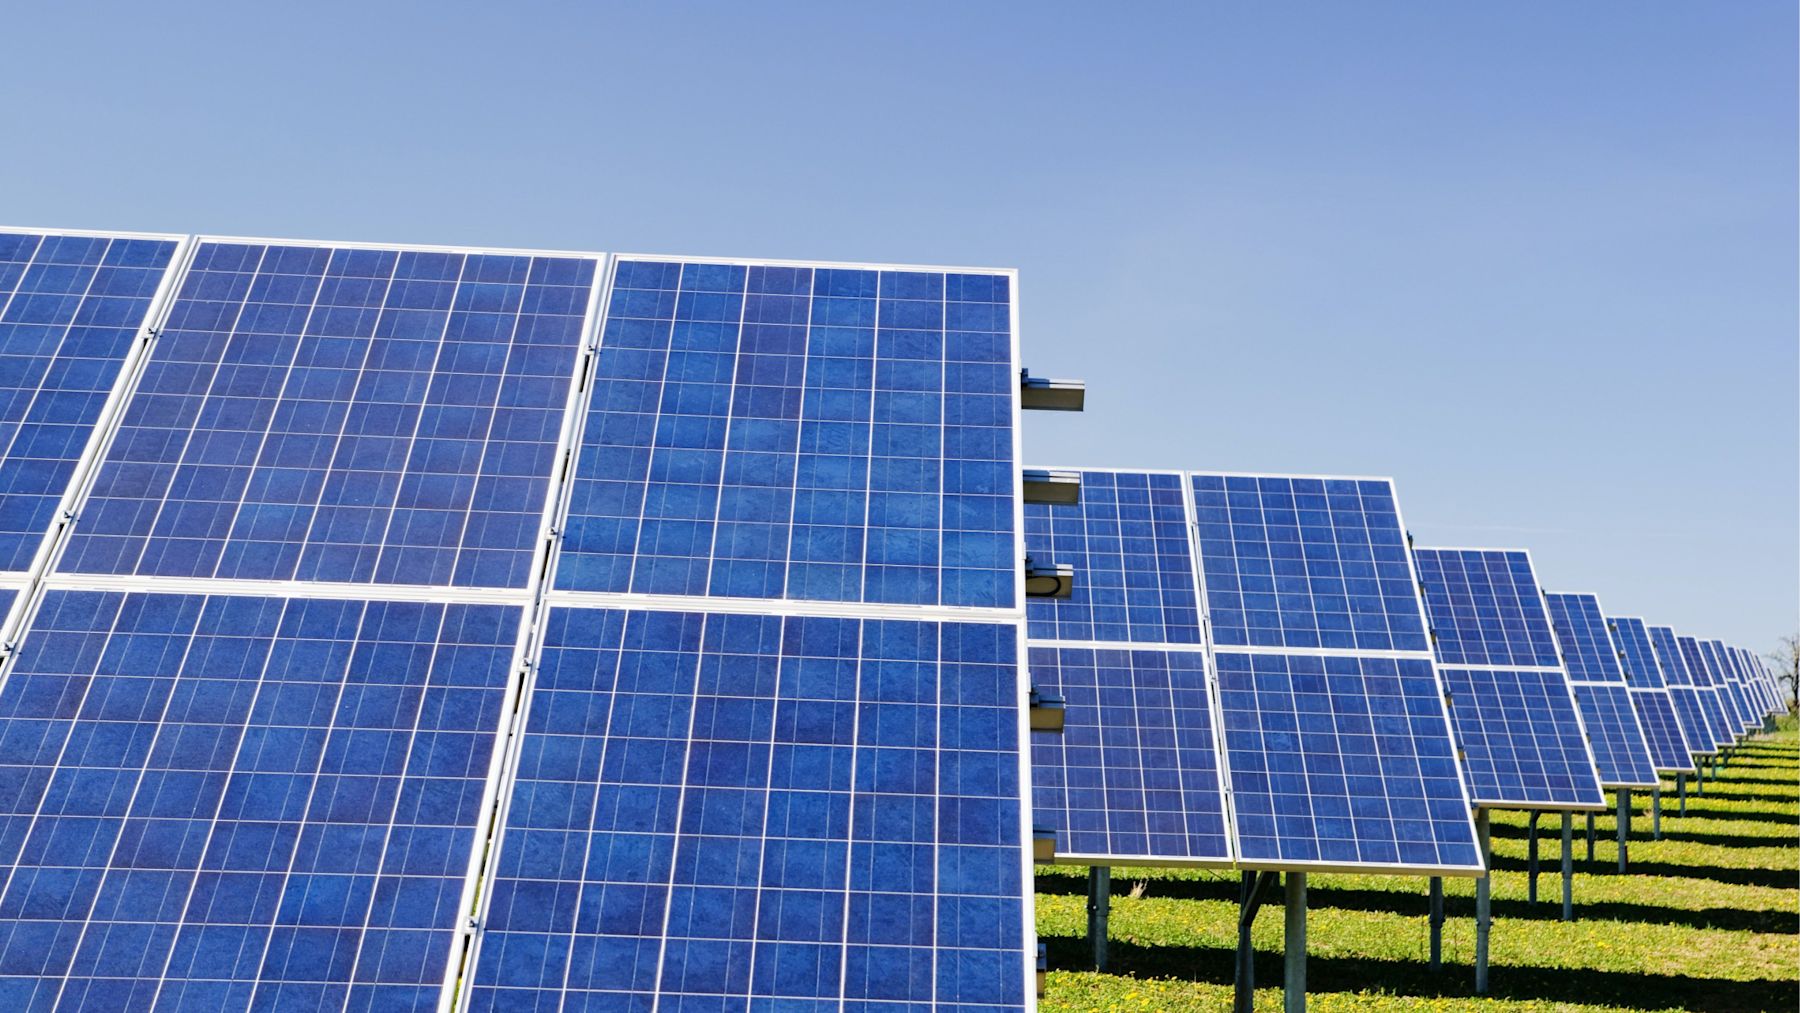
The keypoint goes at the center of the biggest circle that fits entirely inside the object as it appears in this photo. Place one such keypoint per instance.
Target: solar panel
(801, 811)
(1128, 542)
(1134, 774)
(1485, 608)
(1716, 724)
(219, 801)
(72, 309)
(337, 413)
(1620, 750)
(1690, 713)
(1650, 696)
(801, 434)
(1305, 563)
(1515, 717)
(1337, 743)
(1342, 761)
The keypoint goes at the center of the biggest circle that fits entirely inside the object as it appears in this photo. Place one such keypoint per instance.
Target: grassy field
(1708, 918)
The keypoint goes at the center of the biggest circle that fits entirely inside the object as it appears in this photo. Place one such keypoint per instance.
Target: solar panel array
(1650, 695)
(1322, 708)
(259, 721)
(1690, 712)
(1620, 750)
(1717, 722)
(1522, 738)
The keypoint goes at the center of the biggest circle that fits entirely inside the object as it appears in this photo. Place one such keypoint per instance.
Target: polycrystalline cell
(1522, 741)
(1734, 684)
(1690, 713)
(1587, 645)
(1128, 542)
(799, 433)
(1485, 607)
(1662, 732)
(1620, 752)
(343, 414)
(810, 811)
(1306, 562)
(1342, 761)
(1636, 653)
(1134, 773)
(241, 802)
(71, 307)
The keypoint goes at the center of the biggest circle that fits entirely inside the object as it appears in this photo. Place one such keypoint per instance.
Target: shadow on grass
(1738, 796)
(1701, 812)
(1214, 965)
(1605, 863)
(1548, 907)
(1550, 835)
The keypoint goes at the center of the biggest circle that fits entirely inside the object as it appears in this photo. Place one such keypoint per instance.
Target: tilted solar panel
(1621, 751)
(1306, 562)
(1128, 542)
(798, 433)
(1485, 608)
(345, 414)
(1650, 697)
(1342, 761)
(1134, 773)
(1515, 717)
(1731, 691)
(1690, 713)
(231, 802)
(715, 810)
(72, 308)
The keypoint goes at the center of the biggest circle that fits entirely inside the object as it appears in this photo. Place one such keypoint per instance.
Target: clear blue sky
(1535, 260)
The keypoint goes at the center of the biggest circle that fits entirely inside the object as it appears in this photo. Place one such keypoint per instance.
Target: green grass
(1705, 919)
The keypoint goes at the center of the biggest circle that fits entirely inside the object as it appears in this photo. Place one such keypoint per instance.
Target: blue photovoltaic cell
(1656, 715)
(71, 307)
(340, 414)
(242, 803)
(1342, 761)
(1134, 772)
(1522, 742)
(1649, 697)
(1690, 714)
(803, 812)
(1306, 562)
(799, 433)
(1716, 724)
(1730, 691)
(1620, 753)
(1636, 653)
(1739, 686)
(1128, 543)
(1485, 608)
(1586, 644)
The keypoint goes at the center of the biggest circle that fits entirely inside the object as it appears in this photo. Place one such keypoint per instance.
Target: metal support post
(1656, 812)
(1099, 906)
(1483, 902)
(1294, 946)
(1437, 923)
(1590, 836)
(1568, 867)
(1255, 887)
(1531, 857)
(1681, 790)
(1624, 824)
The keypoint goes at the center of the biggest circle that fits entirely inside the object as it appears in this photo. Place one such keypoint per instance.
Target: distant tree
(1787, 669)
